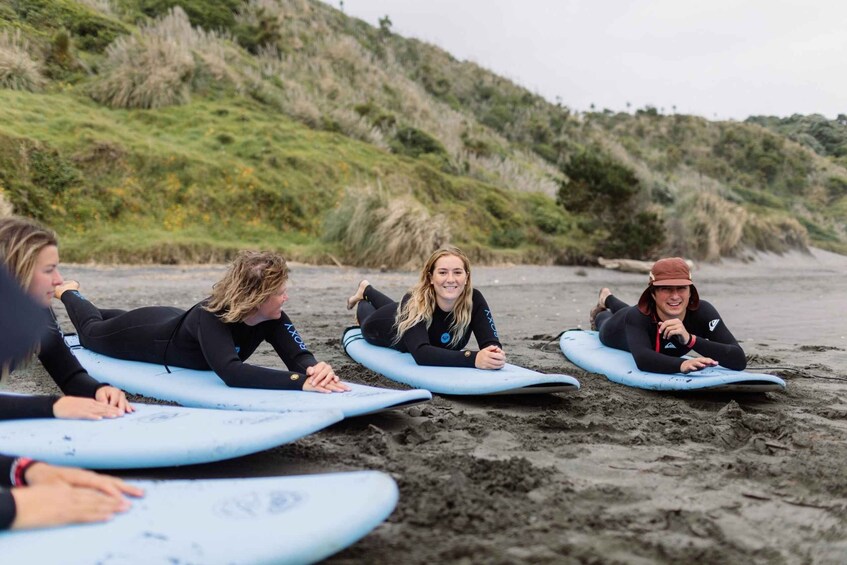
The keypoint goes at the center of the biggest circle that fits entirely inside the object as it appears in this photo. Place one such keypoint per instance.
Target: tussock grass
(375, 229)
(156, 67)
(19, 70)
(776, 234)
(6, 208)
(709, 227)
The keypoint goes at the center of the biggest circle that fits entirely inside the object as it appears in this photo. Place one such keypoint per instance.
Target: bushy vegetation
(182, 130)
(824, 137)
(18, 69)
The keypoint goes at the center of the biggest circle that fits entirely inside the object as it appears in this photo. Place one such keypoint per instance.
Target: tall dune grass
(19, 70)
(376, 229)
(156, 67)
(707, 227)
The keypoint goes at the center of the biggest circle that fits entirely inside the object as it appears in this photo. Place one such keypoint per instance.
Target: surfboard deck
(401, 367)
(584, 349)
(299, 519)
(158, 436)
(204, 389)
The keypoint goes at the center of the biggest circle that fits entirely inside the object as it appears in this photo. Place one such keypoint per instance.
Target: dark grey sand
(609, 474)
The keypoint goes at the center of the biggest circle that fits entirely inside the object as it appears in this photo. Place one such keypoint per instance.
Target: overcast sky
(715, 58)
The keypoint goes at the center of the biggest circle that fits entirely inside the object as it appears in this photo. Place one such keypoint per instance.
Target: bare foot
(67, 285)
(359, 296)
(604, 294)
(601, 305)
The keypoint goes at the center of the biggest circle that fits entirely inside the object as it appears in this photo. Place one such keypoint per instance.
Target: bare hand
(672, 327)
(77, 408)
(696, 364)
(491, 357)
(113, 397)
(58, 504)
(321, 378)
(40, 473)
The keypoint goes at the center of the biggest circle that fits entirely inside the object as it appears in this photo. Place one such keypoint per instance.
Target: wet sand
(606, 475)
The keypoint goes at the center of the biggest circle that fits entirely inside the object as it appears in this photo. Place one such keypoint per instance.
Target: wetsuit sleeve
(13, 407)
(288, 344)
(719, 343)
(482, 322)
(7, 501)
(218, 348)
(641, 338)
(7, 508)
(416, 340)
(63, 367)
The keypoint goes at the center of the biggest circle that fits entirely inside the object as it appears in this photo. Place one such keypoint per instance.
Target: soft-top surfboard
(584, 349)
(158, 436)
(204, 389)
(401, 367)
(268, 520)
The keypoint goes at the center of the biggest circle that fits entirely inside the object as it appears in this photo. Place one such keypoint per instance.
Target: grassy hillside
(144, 132)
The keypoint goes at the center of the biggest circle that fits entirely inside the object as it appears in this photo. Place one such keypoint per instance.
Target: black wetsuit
(20, 407)
(22, 322)
(196, 339)
(63, 367)
(377, 313)
(7, 502)
(625, 327)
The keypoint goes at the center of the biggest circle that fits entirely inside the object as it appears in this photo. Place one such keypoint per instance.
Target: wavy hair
(252, 278)
(421, 303)
(21, 240)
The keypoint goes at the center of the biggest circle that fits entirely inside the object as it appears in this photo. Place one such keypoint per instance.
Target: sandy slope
(610, 474)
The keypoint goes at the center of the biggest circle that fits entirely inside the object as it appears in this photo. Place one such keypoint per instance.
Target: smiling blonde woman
(434, 321)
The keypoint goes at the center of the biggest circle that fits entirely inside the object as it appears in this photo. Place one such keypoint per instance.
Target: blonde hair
(421, 303)
(252, 278)
(21, 240)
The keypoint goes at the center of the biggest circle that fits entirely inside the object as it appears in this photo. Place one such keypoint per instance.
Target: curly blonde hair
(421, 303)
(252, 278)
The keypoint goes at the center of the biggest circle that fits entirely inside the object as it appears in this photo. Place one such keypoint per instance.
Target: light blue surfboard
(276, 520)
(158, 436)
(204, 389)
(401, 367)
(584, 349)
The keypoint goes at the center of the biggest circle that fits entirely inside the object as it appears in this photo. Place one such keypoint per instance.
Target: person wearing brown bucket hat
(669, 321)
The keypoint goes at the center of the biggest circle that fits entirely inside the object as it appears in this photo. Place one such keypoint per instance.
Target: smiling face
(45, 276)
(448, 279)
(271, 308)
(671, 301)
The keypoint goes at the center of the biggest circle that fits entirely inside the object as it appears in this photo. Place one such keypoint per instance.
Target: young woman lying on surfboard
(30, 254)
(669, 321)
(435, 319)
(41, 495)
(219, 333)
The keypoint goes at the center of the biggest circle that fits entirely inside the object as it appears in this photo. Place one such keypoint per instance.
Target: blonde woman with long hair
(434, 321)
(219, 333)
(30, 254)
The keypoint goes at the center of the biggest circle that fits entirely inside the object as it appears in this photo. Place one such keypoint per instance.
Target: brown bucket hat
(673, 271)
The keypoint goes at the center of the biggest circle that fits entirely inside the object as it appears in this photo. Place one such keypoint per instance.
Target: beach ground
(609, 474)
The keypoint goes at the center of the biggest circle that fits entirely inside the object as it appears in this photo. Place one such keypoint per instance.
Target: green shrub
(216, 15)
(414, 143)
